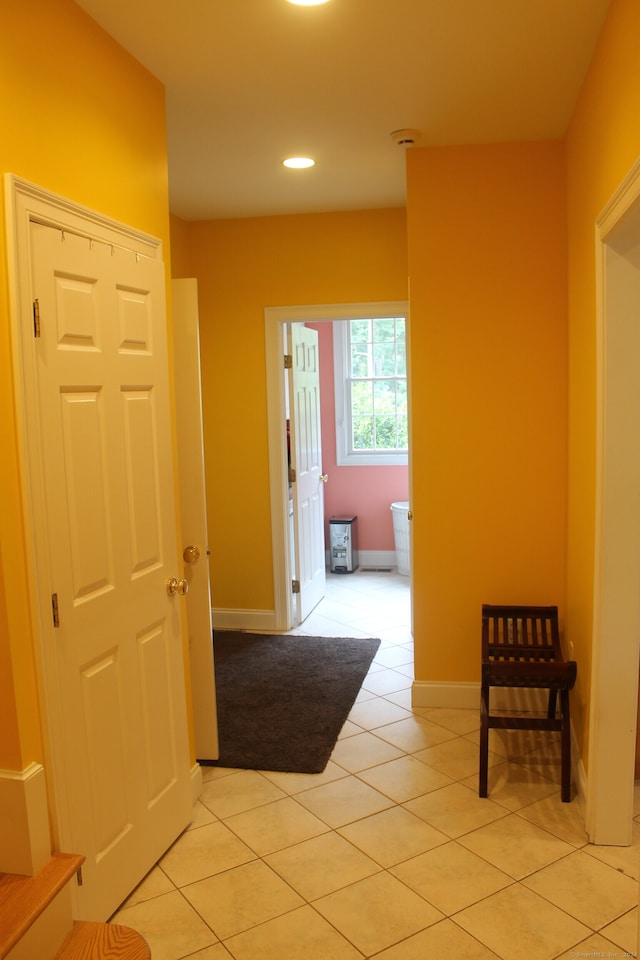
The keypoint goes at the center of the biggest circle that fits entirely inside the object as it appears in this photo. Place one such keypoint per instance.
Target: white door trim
(25, 203)
(616, 610)
(274, 319)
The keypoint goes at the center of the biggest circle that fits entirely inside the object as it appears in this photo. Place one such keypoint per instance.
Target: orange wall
(243, 266)
(180, 248)
(487, 266)
(83, 119)
(602, 144)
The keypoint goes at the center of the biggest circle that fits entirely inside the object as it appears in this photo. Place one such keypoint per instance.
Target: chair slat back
(520, 633)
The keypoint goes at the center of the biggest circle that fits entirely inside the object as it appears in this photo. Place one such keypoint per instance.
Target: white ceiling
(249, 82)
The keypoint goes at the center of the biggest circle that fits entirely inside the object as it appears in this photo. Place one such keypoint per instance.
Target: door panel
(141, 464)
(306, 456)
(82, 417)
(115, 657)
(103, 710)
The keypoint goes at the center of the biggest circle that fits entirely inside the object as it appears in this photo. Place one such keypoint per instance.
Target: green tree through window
(377, 385)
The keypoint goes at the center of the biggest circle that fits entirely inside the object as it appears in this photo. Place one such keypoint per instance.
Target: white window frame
(346, 457)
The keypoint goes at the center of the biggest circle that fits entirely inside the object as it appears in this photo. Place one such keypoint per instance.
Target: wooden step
(24, 899)
(95, 941)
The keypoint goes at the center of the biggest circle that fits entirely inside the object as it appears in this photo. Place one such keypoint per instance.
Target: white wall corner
(458, 696)
(196, 782)
(25, 840)
(579, 774)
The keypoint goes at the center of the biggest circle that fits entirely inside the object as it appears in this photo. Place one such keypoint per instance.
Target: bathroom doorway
(345, 605)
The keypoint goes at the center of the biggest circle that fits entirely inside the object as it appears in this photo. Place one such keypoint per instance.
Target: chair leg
(565, 746)
(553, 697)
(484, 740)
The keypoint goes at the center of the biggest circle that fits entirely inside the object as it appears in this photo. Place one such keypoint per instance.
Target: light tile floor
(390, 853)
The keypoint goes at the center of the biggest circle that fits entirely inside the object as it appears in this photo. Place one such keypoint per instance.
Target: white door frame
(616, 613)
(274, 319)
(26, 202)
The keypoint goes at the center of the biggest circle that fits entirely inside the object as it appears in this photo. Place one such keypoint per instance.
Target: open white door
(193, 513)
(306, 461)
(94, 369)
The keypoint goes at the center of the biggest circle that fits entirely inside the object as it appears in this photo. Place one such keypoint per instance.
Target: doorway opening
(616, 614)
(345, 594)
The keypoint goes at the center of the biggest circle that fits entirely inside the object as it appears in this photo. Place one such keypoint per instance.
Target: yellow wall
(487, 260)
(81, 118)
(180, 248)
(487, 267)
(602, 144)
(243, 266)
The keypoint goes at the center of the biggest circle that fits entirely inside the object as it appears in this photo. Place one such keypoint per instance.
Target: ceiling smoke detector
(405, 138)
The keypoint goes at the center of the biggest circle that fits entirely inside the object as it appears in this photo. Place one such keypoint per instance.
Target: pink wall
(365, 491)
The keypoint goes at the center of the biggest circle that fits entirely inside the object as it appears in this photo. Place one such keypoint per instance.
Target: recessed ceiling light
(298, 163)
(307, 3)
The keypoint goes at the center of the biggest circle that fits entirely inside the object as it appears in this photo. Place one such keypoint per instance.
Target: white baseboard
(254, 621)
(25, 841)
(371, 559)
(458, 696)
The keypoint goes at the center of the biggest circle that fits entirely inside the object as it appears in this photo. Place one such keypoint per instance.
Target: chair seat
(521, 649)
(522, 673)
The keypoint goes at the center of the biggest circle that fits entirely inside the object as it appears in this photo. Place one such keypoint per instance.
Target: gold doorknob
(191, 554)
(323, 477)
(181, 587)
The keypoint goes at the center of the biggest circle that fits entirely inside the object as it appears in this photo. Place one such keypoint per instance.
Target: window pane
(360, 331)
(362, 398)
(384, 330)
(359, 360)
(401, 397)
(403, 433)
(385, 433)
(384, 394)
(384, 359)
(363, 433)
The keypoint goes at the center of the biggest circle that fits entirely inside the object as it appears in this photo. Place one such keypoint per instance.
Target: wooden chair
(521, 648)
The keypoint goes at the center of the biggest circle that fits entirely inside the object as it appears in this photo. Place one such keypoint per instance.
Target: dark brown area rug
(283, 700)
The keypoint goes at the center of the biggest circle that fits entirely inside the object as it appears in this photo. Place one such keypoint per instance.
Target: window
(371, 390)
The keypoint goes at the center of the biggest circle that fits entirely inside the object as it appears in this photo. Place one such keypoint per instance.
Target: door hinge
(295, 586)
(36, 318)
(292, 475)
(288, 361)
(54, 609)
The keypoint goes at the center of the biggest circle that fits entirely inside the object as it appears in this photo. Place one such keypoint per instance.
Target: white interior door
(113, 651)
(306, 460)
(193, 514)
